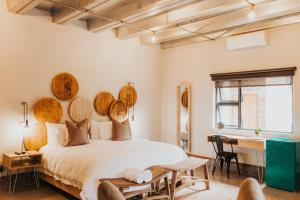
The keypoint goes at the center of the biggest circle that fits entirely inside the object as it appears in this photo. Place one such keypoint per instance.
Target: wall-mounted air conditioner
(247, 41)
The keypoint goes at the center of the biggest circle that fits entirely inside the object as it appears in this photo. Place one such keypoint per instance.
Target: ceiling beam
(250, 28)
(197, 11)
(21, 6)
(134, 11)
(263, 12)
(64, 14)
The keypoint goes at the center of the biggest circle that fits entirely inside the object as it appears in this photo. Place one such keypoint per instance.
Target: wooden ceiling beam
(134, 11)
(21, 6)
(250, 28)
(197, 11)
(64, 14)
(263, 12)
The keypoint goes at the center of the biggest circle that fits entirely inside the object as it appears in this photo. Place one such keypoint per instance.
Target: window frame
(239, 105)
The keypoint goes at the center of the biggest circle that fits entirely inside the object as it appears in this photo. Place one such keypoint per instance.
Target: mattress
(82, 166)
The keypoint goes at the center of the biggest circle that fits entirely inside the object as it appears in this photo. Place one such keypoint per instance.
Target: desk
(254, 143)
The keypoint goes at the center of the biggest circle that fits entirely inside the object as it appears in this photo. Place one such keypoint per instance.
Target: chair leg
(237, 165)
(221, 163)
(173, 185)
(215, 165)
(228, 167)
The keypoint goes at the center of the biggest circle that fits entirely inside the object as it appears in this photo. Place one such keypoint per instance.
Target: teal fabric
(283, 164)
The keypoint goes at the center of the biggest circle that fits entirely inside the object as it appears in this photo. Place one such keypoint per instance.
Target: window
(260, 102)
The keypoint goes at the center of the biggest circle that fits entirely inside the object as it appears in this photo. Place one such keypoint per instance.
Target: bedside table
(14, 164)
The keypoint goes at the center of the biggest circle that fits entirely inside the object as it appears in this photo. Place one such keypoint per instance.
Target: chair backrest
(107, 191)
(218, 143)
(250, 190)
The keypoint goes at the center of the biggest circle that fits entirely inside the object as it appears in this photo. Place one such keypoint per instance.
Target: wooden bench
(158, 173)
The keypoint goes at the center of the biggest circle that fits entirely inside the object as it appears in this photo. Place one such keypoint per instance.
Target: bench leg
(173, 185)
(206, 176)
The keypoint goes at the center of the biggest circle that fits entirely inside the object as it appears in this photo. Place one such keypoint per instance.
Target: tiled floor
(221, 189)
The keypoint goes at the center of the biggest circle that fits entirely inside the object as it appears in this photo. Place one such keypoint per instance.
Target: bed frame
(73, 191)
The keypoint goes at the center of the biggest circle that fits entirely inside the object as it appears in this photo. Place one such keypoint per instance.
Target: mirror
(184, 116)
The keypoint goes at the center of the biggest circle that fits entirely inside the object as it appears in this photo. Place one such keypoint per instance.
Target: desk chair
(221, 155)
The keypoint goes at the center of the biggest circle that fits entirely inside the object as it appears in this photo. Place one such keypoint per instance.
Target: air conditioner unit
(247, 41)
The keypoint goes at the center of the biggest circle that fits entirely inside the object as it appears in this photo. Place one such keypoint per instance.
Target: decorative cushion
(101, 130)
(77, 134)
(56, 134)
(121, 131)
(250, 190)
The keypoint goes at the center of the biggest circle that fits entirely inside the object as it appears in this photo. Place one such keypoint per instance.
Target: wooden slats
(264, 12)
(21, 6)
(186, 14)
(246, 29)
(64, 14)
(133, 11)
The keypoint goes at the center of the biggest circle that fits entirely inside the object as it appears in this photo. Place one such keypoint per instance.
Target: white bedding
(82, 166)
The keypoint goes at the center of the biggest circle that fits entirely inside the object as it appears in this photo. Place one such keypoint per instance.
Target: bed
(77, 169)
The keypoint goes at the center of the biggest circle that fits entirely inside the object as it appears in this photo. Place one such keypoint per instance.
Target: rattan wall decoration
(128, 95)
(185, 98)
(64, 86)
(118, 111)
(103, 102)
(80, 109)
(47, 110)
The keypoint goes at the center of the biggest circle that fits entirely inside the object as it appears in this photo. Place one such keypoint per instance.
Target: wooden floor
(221, 189)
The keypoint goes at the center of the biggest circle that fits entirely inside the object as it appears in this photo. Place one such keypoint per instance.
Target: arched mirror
(184, 116)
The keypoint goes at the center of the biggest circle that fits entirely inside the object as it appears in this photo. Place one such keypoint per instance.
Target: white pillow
(56, 134)
(101, 130)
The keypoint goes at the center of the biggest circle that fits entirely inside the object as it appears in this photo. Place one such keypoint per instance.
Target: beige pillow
(121, 131)
(77, 134)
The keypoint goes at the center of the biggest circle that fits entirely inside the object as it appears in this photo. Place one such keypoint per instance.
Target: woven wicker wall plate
(64, 86)
(102, 103)
(47, 110)
(37, 137)
(80, 109)
(185, 98)
(118, 111)
(128, 95)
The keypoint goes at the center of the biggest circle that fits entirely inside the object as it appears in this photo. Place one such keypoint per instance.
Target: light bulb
(153, 38)
(251, 14)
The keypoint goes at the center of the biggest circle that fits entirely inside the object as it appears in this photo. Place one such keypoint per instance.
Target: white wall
(33, 50)
(195, 63)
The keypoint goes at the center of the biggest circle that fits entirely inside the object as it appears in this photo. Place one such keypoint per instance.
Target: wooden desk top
(254, 142)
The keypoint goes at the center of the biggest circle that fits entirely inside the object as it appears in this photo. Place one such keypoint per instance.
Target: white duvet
(82, 166)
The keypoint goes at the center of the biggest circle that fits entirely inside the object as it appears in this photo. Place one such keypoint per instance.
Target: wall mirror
(184, 116)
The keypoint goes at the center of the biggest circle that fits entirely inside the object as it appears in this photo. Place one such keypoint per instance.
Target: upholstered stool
(250, 190)
(187, 167)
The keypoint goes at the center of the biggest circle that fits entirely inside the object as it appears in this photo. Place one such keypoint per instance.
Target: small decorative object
(258, 132)
(80, 109)
(128, 95)
(64, 86)
(118, 111)
(220, 127)
(102, 103)
(25, 126)
(185, 98)
(47, 110)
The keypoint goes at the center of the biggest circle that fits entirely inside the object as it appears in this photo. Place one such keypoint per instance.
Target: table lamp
(25, 126)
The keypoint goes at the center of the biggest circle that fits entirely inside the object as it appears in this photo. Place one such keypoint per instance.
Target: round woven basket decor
(80, 109)
(36, 138)
(102, 103)
(118, 111)
(47, 110)
(64, 86)
(185, 98)
(128, 95)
